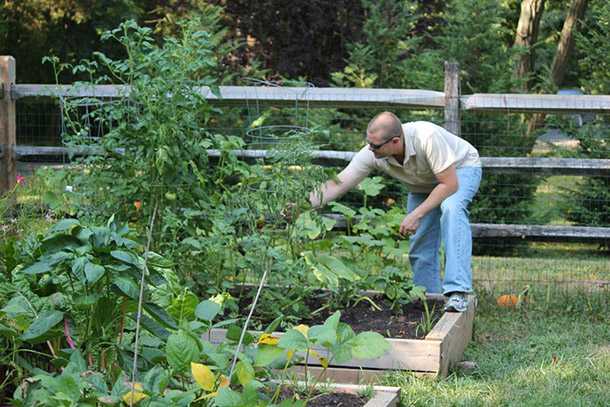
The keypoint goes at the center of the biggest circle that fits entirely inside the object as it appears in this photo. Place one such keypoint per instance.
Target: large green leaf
(156, 380)
(244, 372)
(369, 345)
(93, 272)
(78, 268)
(207, 310)
(267, 354)
(326, 334)
(228, 398)
(127, 258)
(127, 286)
(160, 315)
(47, 263)
(66, 226)
(307, 225)
(181, 350)
(46, 321)
(342, 209)
(337, 267)
(17, 306)
(183, 306)
(371, 186)
(153, 327)
(67, 386)
(77, 364)
(321, 272)
(293, 340)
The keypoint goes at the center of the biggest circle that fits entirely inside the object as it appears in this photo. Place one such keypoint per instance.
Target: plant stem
(140, 300)
(258, 292)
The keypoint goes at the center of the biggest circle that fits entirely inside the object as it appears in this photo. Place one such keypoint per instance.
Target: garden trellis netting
(540, 221)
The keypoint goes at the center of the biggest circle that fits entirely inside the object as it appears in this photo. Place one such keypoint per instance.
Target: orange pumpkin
(138, 205)
(507, 301)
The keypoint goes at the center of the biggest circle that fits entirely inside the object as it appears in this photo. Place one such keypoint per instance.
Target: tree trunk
(566, 42)
(526, 36)
(562, 55)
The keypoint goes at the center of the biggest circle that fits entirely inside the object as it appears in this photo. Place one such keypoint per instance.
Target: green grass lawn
(526, 357)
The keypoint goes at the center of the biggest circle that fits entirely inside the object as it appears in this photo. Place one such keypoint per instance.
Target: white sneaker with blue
(457, 302)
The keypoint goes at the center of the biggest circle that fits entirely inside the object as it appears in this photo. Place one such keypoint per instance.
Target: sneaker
(457, 302)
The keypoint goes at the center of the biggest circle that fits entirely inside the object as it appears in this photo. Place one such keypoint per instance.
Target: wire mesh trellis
(523, 197)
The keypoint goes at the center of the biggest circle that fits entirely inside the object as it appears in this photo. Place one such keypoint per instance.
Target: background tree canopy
(395, 41)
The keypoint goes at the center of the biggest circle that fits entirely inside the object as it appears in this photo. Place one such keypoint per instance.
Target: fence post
(452, 97)
(8, 173)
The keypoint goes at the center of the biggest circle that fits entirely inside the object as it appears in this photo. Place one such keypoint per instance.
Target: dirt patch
(409, 322)
(327, 399)
(337, 399)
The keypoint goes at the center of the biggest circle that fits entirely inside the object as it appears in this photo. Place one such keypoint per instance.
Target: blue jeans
(450, 222)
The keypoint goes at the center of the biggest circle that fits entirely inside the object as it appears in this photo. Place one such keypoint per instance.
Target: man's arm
(332, 189)
(447, 186)
(351, 176)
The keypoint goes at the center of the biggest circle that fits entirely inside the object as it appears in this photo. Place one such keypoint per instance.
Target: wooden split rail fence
(450, 101)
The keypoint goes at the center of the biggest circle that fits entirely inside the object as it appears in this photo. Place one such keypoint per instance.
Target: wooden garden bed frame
(442, 347)
(383, 396)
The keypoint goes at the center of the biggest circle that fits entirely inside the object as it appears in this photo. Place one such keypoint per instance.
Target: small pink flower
(20, 179)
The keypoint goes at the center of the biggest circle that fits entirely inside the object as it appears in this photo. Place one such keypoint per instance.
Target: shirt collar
(407, 133)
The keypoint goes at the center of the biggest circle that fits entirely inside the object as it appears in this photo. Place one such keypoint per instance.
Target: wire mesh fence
(503, 261)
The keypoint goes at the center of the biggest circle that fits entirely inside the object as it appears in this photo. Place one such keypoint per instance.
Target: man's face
(380, 147)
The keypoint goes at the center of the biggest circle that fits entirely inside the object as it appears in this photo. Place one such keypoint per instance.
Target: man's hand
(409, 224)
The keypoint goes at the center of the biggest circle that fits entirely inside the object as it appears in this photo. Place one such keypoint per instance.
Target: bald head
(386, 125)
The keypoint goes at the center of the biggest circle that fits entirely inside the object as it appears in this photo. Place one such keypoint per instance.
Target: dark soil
(337, 399)
(405, 324)
(325, 399)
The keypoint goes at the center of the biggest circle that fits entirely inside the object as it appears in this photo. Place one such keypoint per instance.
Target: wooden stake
(452, 97)
(8, 174)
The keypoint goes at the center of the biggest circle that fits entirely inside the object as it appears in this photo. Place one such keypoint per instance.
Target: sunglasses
(378, 146)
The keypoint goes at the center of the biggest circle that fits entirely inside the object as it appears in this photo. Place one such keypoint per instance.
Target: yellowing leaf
(134, 396)
(302, 329)
(290, 354)
(322, 359)
(203, 376)
(324, 362)
(268, 339)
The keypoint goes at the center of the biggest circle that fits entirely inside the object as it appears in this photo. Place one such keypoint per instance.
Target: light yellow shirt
(429, 150)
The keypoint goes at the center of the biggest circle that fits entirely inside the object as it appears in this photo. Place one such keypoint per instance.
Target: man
(443, 173)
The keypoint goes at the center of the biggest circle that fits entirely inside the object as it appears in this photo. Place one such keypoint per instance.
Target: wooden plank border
(433, 355)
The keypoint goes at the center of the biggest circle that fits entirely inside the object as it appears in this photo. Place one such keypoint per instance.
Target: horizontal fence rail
(536, 103)
(542, 165)
(345, 97)
(524, 232)
(261, 95)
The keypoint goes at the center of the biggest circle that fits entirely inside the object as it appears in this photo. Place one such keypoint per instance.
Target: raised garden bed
(433, 355)
(352, 395)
